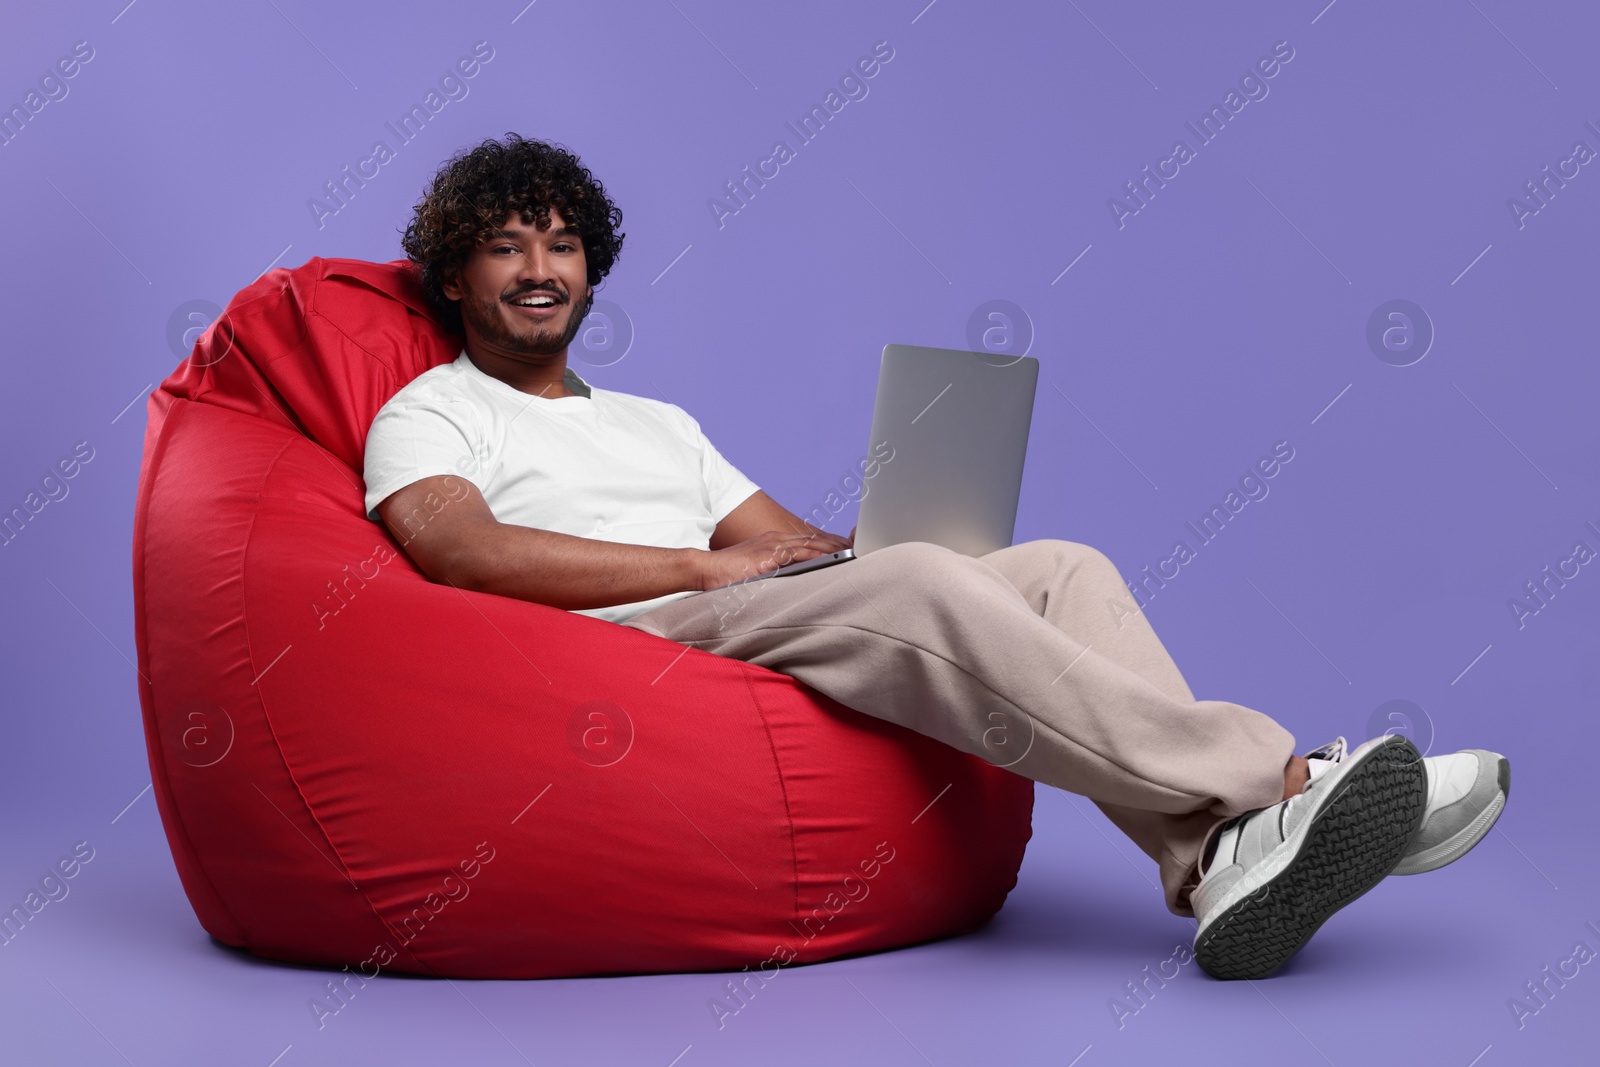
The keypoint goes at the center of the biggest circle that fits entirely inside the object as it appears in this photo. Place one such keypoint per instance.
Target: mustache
(559, 296)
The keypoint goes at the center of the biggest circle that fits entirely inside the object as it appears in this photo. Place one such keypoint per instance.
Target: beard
(486, 316)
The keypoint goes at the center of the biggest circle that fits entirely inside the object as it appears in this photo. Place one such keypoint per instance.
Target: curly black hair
(475, 191)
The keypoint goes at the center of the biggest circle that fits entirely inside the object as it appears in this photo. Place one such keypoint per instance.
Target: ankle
(1296, 773)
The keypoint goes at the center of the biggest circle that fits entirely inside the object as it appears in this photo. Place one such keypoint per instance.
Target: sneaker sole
(1351, 845)
(1463, 842)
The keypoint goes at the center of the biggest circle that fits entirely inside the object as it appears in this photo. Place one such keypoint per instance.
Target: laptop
(957, 423)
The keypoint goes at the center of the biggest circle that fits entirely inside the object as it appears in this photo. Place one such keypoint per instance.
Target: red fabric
(359, 767)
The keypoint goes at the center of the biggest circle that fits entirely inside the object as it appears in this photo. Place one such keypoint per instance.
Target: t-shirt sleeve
(416, 439)
(726, 485)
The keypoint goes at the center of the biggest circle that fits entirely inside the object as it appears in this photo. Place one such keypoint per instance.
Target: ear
(451, 286)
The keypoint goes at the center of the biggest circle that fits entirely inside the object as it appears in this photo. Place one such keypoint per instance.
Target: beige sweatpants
(1035, 657)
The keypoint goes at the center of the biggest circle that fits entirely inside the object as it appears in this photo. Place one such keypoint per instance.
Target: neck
(542, 376)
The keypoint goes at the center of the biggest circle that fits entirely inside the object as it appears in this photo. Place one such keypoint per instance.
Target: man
(1034, 656)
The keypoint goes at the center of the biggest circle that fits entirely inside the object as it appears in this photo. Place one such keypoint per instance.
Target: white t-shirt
(606, 465)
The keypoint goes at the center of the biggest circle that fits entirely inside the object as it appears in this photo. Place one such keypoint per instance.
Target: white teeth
(536, 302)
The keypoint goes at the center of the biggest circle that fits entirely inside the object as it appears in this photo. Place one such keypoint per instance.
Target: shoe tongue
(1318, 767)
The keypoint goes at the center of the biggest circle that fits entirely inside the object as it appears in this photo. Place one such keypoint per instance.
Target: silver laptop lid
(958, 424)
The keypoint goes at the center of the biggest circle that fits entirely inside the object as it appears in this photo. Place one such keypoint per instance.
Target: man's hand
(762, 553)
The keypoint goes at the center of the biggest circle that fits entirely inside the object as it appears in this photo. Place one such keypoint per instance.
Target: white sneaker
(1271, 878)
(1467, 791)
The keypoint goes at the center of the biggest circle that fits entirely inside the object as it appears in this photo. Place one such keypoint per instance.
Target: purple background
(1228, 314)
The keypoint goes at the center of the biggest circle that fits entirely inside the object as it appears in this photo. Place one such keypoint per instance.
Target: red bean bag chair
(358, 767)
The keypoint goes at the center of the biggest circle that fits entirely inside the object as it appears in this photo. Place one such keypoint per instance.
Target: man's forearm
(568, 572)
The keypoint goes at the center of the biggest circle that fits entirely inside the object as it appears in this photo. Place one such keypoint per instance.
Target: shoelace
(1334, 751)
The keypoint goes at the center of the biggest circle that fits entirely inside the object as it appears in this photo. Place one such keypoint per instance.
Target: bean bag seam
(267, 715)
(208, 383)
(391, 386)
(293, 424)
(311, 309)
(382, 367)
(303, 320)
(194, 855)
(788, 814)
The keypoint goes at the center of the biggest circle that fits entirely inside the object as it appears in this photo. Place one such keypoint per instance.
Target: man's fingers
(780, 547)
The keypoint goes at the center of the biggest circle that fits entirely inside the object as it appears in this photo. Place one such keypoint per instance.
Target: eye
(507, 248)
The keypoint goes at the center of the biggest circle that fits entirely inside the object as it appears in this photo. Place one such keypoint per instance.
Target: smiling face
(523, 293)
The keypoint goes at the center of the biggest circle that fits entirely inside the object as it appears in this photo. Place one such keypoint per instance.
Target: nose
(534, 271)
